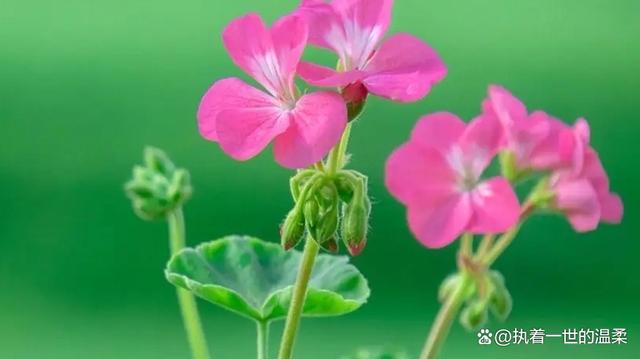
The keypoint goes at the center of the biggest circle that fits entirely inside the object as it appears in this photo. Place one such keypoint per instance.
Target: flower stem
(187, 302)
(444, 319)
(262, 339)
(311, 249)
(336, 157)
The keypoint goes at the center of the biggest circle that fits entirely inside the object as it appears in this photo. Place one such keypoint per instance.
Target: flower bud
(330, 245)
(448, 286)
(156, 160)
(355, 220)
(292, 229)
(157, 188)
(327, 226)
(355, 95)
(474, 315)
(500, 301)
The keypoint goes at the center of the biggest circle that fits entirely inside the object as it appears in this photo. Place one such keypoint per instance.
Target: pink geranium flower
(244, 120)
(582, 189)
(437, 175)
(537, 140)
(401, 68)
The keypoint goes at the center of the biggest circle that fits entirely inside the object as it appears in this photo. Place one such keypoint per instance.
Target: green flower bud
(312, 214)
(500, 301)
(355, 220)
(156, 160)
(448, 286)
(474, 315)
(330, 245)
(292, 229)
(327, 226)
(508, 166)
(157, 188)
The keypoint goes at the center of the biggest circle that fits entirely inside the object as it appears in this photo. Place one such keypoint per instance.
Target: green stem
(187, 302)
(297, 298)
(336, 157)
(444, 319)
(263, 339)
(501, 245)
(485, 244)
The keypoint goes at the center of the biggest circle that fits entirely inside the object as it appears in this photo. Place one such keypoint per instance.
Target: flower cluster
(305, 126)
(437, 174)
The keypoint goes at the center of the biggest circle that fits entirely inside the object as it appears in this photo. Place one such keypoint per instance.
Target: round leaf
(254, 278)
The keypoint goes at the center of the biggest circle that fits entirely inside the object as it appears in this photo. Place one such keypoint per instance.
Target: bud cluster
(328, 208)
(486, 293)
(158, 187)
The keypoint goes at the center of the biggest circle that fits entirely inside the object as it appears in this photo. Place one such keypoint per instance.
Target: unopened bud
(500, 301)
(292, 229)
(474, 315)
(355, 95)
(355, 221)
(327, 226)
(448, 286)
(158, 187)
(157, 160)
(330, 245)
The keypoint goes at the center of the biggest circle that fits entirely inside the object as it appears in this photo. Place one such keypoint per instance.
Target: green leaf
(254, 278)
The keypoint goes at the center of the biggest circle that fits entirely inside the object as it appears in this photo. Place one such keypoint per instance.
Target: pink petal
(227, 94)
(418, 176)
(244, 129)
(404, 69)
(325, 77)
(317, 124)
(439, 130)
(269, 56)
(482, 139)
(289, 35)
(579, 201)
(439, 225)
(506, 107)
(322, 19)
(495, 207)
(371, 14)
(611, 207)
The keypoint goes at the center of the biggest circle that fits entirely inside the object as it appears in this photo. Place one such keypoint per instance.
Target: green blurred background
(84, 85)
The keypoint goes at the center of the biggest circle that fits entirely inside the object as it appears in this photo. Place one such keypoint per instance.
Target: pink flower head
(244, 120)
(437, 175)
(537, 140)
(401, 68)
(581, 190)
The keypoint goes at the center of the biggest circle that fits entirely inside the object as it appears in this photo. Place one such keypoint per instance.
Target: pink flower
(437, 175)
(401, 68)
(537, 140)
(582, 189)
(244, 120)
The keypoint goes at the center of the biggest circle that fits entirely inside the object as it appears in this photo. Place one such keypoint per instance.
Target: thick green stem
(311, 249)
(187, 302)
(444, 319)
(262, 332)
(336, 157)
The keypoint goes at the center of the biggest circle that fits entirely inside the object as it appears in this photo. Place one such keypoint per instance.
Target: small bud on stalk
(355, 221)
(159, 187)
(474, 315)
(292, 229)
(355, 95)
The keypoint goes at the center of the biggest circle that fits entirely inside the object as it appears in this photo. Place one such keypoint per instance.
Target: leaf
(254, 278)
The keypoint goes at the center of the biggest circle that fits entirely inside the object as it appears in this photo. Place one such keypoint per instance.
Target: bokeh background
(84, 85)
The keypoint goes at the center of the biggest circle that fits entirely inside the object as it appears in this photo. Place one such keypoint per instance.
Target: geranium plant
(438, 175)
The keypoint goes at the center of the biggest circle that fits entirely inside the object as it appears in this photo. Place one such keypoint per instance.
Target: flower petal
(317, 124)
(322, 19)
(578, 199)
(243, 132)
(269, 56)
(506, 107)
(439, 130)
(369, 14)
(404, 69)
(418, 176)
(325, 77)
(495, 207)
(439, 225)
(482, 139)
(611, 208)
(227, 94)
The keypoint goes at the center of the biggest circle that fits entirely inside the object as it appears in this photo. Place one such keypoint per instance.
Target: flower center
(467, 167)
(354, 44)
(268, 72)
